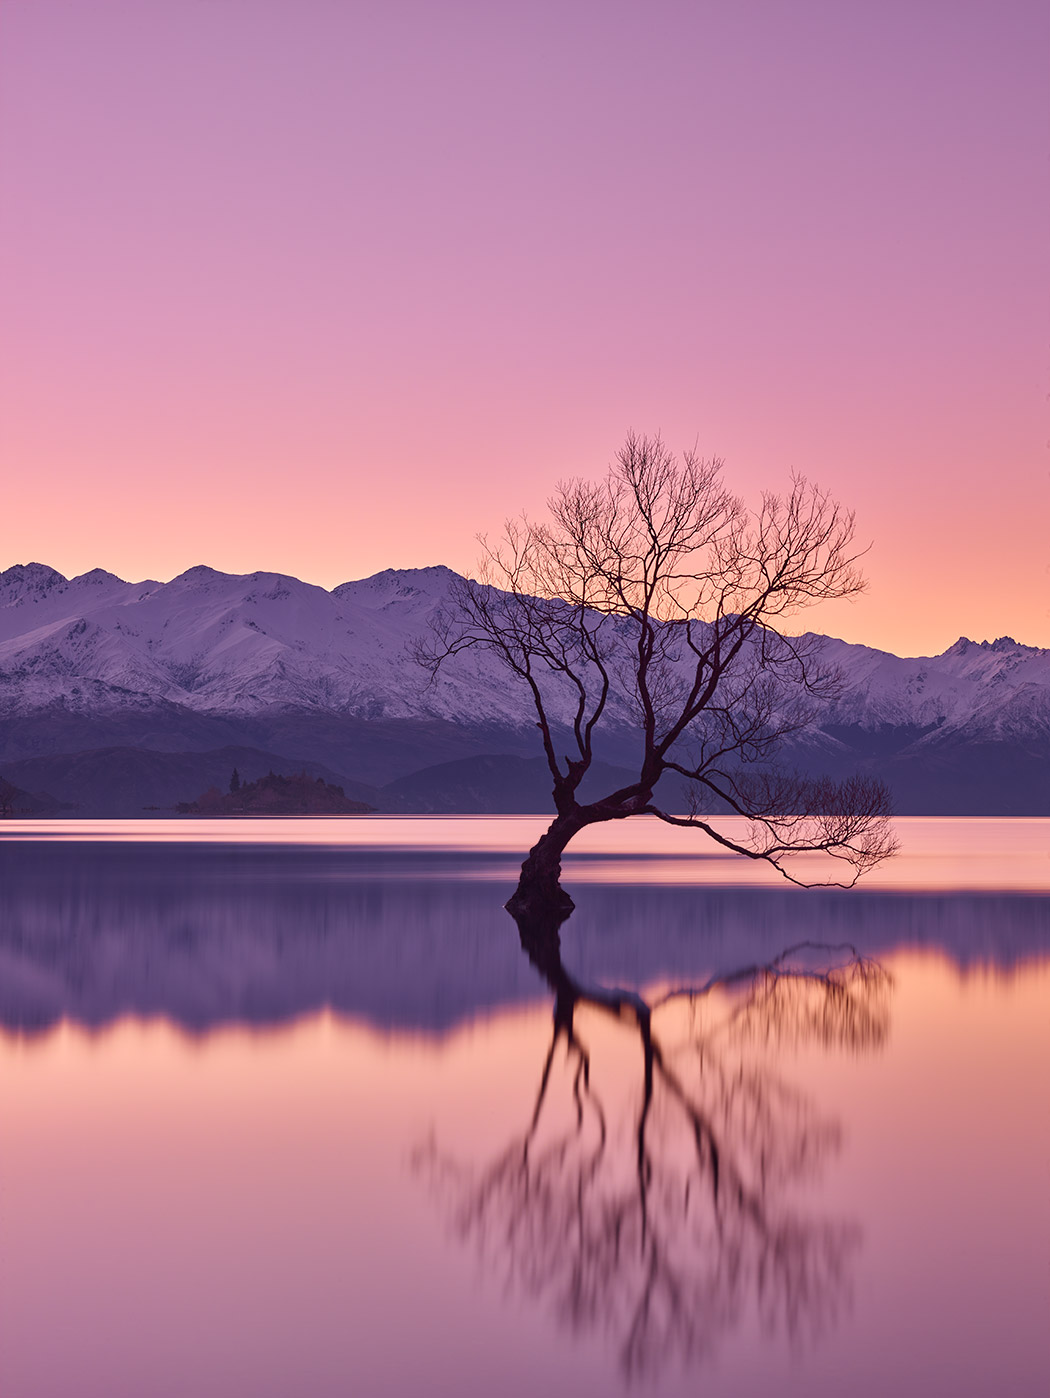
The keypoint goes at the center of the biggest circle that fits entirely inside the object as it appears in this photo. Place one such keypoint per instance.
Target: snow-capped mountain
(222, 644)
(212, 658)
(236, 645)
(969, 679)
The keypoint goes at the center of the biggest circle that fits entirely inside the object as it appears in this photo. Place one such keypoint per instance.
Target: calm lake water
(287, 1109)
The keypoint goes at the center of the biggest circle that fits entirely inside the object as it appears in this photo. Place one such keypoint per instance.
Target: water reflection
(657, 1216)
(208, 935)
(661, 1168)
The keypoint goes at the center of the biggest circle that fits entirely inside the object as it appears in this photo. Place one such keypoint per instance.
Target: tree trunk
(539, 892)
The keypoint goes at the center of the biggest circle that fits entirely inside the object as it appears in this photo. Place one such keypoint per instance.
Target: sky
(330, 286)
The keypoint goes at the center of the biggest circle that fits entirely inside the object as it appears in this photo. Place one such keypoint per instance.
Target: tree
(655, 599)
(235, 782)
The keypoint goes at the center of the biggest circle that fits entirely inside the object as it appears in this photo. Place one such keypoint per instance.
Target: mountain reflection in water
(208, 934)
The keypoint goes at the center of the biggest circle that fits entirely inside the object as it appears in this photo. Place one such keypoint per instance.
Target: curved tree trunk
(539, 891)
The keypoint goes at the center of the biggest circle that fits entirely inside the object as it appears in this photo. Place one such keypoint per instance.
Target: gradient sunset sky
(327, 286)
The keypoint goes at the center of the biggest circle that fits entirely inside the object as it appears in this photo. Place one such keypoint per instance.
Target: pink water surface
(937, 852)
(264, 1206)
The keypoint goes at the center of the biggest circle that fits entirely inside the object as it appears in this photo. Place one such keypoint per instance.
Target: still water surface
(287, 1108)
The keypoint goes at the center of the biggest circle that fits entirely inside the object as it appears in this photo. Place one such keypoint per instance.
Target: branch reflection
(657, 1212)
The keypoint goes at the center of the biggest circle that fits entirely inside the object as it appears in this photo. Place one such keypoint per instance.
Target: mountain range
(118, 696)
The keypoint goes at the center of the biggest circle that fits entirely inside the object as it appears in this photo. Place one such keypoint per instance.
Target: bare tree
(661, 1229)
(656, 599)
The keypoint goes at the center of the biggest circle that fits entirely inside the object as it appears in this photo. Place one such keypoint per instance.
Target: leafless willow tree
(656, 600)
(659, 1216)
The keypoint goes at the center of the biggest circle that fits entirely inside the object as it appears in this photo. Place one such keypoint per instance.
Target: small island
(274, 795)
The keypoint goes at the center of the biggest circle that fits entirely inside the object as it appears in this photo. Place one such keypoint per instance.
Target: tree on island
(656, 597)
(273, 795)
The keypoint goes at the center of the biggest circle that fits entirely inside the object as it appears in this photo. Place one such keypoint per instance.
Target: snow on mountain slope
(234, 645)
(74, 661)
(229, 644)
(1018, 715)
(33, 595)
(947, 690)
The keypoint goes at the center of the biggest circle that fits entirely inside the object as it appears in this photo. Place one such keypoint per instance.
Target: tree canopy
(655, 599)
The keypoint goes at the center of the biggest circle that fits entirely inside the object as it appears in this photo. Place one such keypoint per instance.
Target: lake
(292, 1106)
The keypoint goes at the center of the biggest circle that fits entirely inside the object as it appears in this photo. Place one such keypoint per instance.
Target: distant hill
(324, 681)
(276, 795)
(15, 802)
(492, 784)
(132, 781)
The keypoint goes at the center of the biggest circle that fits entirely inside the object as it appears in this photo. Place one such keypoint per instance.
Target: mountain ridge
(264, 660)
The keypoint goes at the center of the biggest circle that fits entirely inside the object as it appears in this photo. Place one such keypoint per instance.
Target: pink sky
(330, 286)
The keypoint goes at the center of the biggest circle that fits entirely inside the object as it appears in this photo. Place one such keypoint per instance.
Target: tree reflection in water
(656, 1217)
